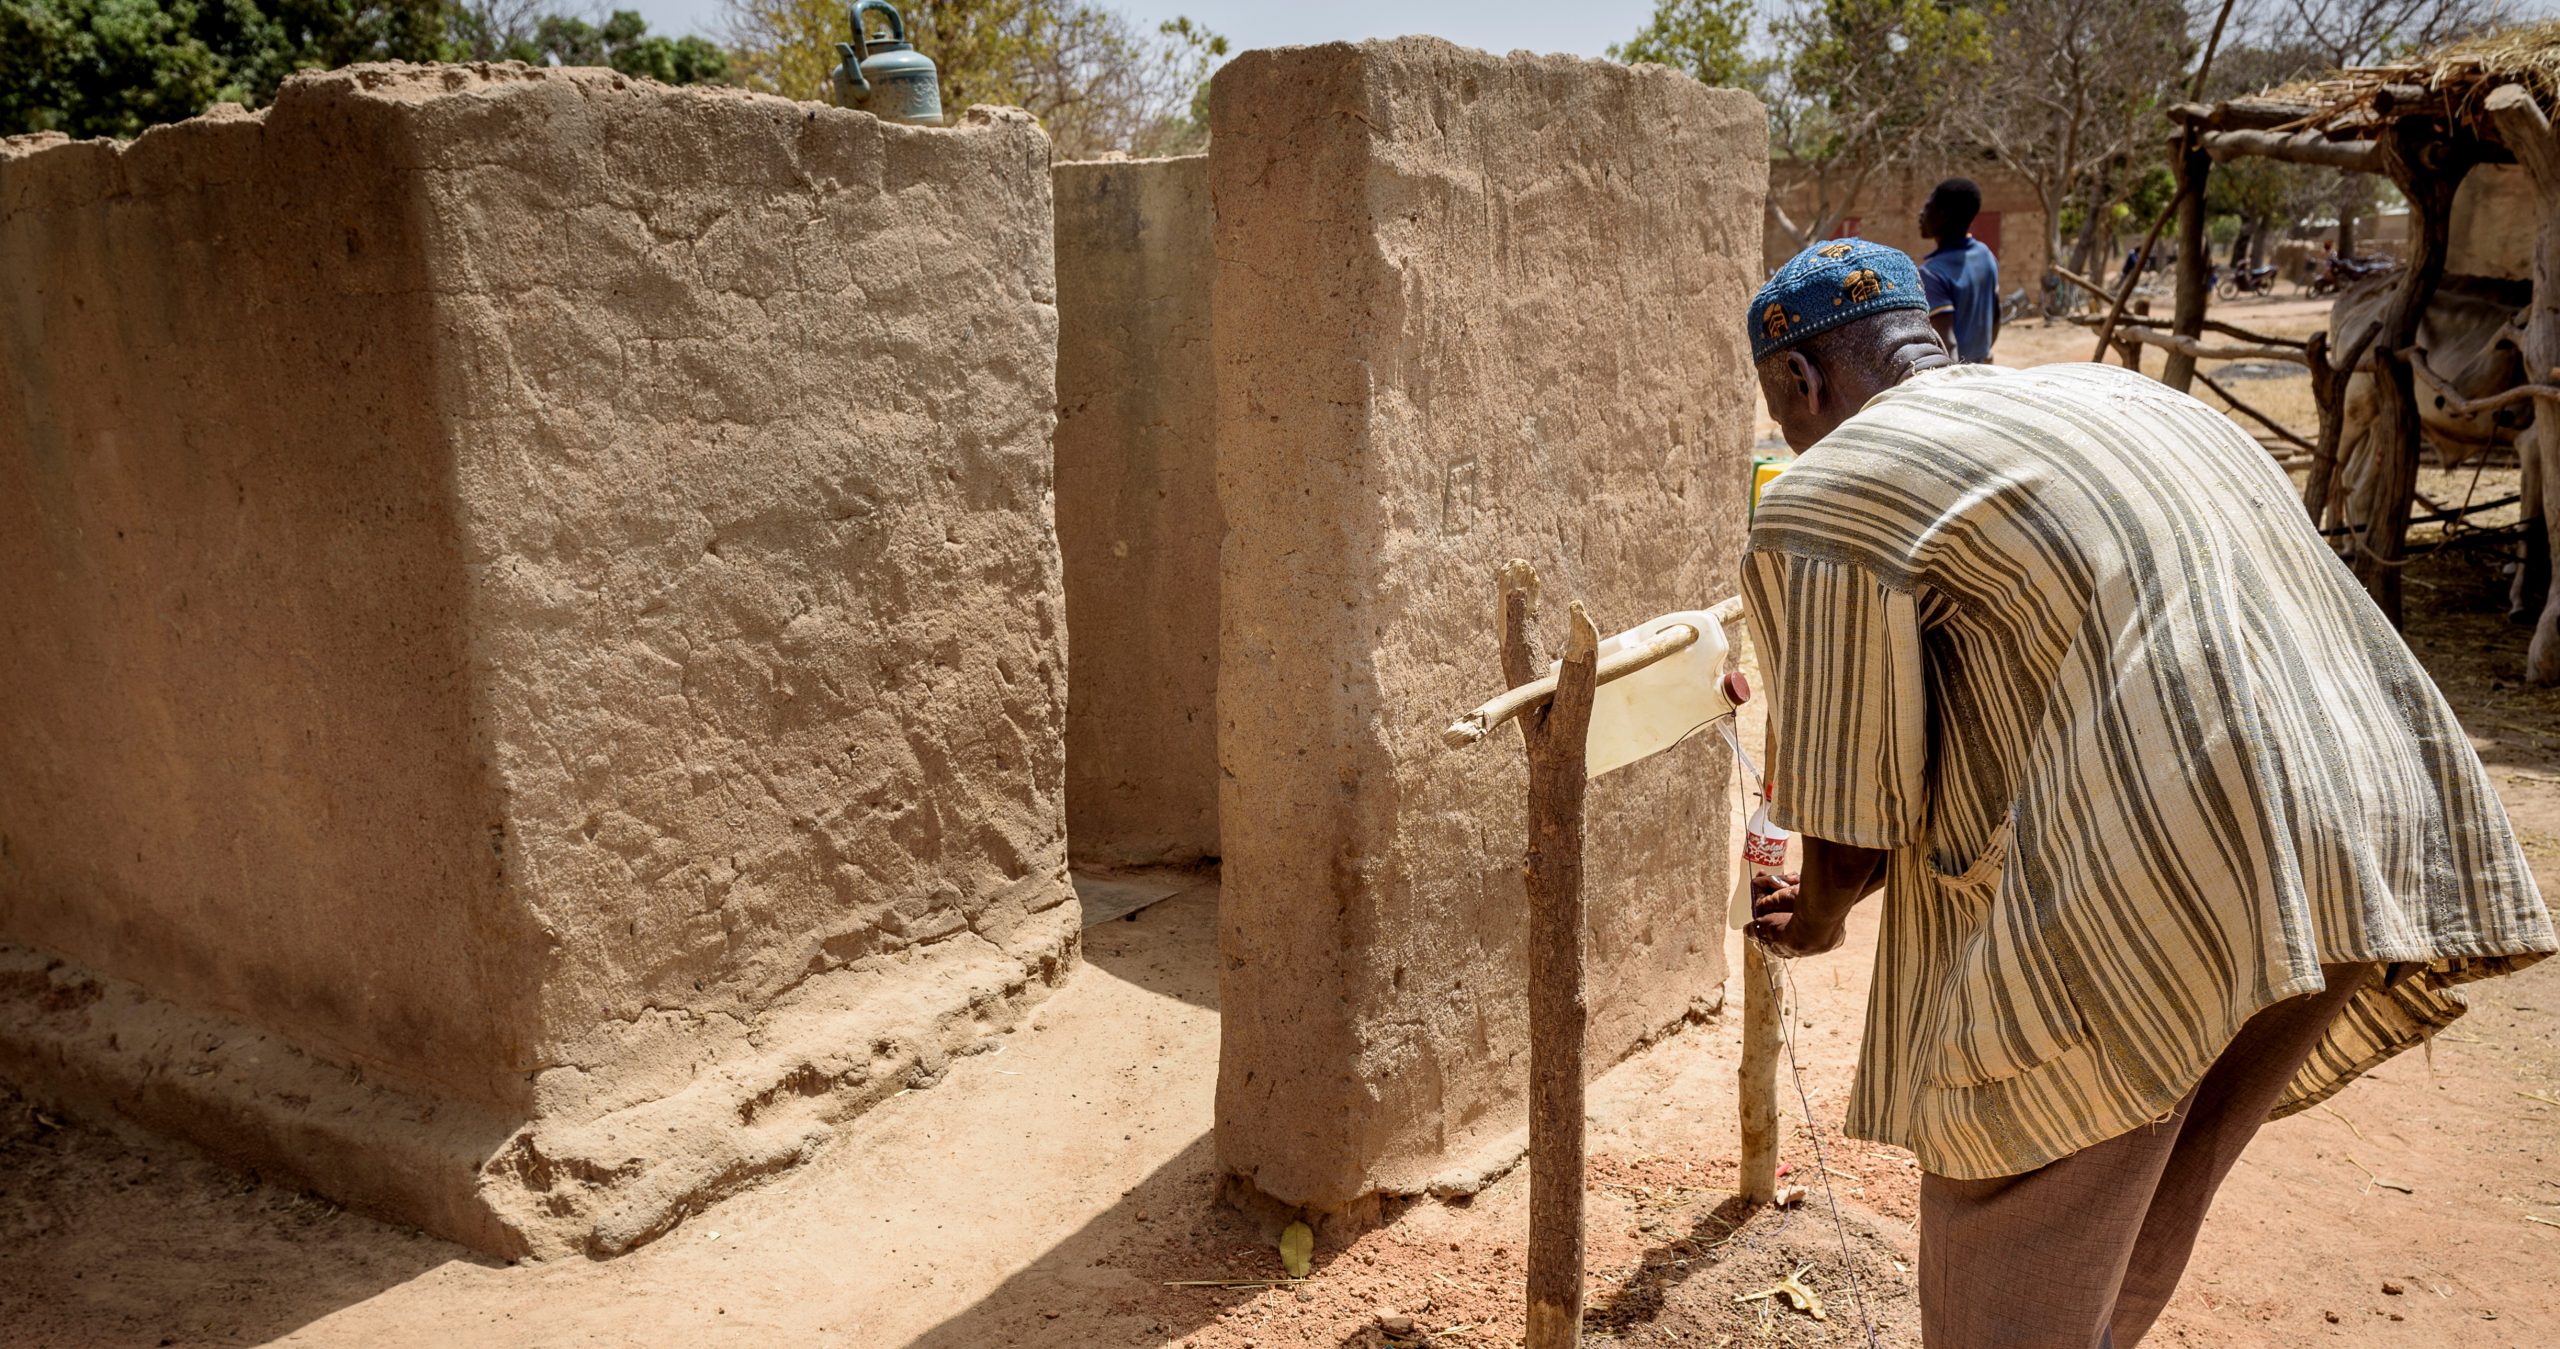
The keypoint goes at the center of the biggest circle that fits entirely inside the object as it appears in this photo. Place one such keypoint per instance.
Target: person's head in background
(1947, 216)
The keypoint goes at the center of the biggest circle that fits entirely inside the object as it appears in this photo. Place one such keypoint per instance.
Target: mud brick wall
(533, 630)
(1137, 510)
(1467, 308)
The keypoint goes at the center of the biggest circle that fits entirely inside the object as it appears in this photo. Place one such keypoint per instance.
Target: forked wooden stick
(1759, 1075)
(1558, 1011)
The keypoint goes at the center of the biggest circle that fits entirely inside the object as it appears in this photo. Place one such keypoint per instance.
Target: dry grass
(2530, 53)
(2526, 53)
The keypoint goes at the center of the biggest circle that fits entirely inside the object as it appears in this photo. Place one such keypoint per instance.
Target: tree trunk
(2328, 398)
(2193, 165)
(2350, 201)
(2427, 166)
(2052, 231)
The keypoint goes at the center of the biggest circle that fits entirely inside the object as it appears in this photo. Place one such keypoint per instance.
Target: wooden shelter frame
(2424, 125)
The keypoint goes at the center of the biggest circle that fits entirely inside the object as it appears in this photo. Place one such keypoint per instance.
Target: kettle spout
(851, 87)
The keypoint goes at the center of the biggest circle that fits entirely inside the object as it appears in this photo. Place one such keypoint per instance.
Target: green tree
(1095, 82)
(1706, 39)
(1860, 85)
(788, 47)
(2072, 105)
(622, 42)
(113, 67)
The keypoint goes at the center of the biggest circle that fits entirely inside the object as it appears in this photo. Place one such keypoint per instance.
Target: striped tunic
(2064, 642)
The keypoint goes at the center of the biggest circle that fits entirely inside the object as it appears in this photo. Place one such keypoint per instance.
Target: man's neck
(1959, 241)
(1910, 358)
(1914, 356)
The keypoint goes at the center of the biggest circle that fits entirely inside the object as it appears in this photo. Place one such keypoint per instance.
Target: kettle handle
(861, 32)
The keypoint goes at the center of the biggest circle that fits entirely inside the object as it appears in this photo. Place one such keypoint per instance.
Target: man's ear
(1806, 378)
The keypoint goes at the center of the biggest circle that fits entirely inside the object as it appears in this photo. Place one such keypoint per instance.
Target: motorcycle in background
(2241, 281)
(2335, 273)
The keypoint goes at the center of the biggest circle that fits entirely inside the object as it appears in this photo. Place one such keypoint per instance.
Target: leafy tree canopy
(1863, 84)
(114, 67)
(624, 43)
(1707, 39)
(1096, 82)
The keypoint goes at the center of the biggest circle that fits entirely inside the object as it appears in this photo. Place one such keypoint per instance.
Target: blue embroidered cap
(1828, 285)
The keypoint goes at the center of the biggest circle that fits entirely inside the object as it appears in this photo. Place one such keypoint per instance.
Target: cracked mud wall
(1138, 519)
(238, 757)
(1467, 308)
(586, 643)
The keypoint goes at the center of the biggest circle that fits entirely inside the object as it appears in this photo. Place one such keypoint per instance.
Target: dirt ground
(1060, 1190)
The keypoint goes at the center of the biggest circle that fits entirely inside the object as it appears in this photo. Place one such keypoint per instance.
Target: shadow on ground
(1116, 902)
(1102, 1284)
(116, 1240)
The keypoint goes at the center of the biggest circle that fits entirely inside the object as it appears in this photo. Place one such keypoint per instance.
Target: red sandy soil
(1048, 1192)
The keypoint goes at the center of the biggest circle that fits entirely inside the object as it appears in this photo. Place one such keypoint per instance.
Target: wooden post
(2329, 378)
(2527, 132)
(1756, 1085)
(2428, 165)
(2329, 399)
(1558, 1012)
(1759, 1078)
(2186, 141)
(2194, 257)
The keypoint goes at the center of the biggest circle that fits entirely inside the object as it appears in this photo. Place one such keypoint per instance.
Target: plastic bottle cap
(1737, 690)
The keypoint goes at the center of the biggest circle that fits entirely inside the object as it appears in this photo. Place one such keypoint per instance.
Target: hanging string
(1781, 977)
(1782, 987)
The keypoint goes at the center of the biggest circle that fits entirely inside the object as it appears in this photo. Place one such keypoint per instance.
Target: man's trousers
(2083, 1252)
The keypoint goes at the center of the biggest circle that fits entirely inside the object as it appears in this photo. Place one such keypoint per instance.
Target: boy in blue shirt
(1961, 279)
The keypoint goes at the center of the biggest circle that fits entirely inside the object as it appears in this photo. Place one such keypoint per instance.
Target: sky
(1495, 25)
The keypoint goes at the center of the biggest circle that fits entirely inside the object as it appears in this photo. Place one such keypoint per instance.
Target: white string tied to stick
(1782, 987)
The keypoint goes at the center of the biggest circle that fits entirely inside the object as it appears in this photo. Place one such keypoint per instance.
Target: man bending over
(2174, 833)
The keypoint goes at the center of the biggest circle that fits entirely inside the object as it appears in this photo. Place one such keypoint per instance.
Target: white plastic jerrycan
(1651, 710)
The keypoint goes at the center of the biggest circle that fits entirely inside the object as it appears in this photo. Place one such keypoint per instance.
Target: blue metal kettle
(887, 77)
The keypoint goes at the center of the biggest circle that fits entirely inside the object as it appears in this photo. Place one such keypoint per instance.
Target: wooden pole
(2211, 325)
(2142, 258)
(2313, 148)
(2329, 395)
(2283, 432)
(2194, 348)
(2428, 167)
(1756, 1094)
(1559, 1013)
(2193, 166)
(1510, 703)
(2185, 143)
(2527, 132)
(1759, 1079)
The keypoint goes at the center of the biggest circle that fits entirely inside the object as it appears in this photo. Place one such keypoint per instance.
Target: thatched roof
(2530, 53)
(2448, 81)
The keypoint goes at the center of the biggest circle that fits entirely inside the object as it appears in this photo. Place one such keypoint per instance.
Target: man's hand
(1776, 924)
(1807, 914)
